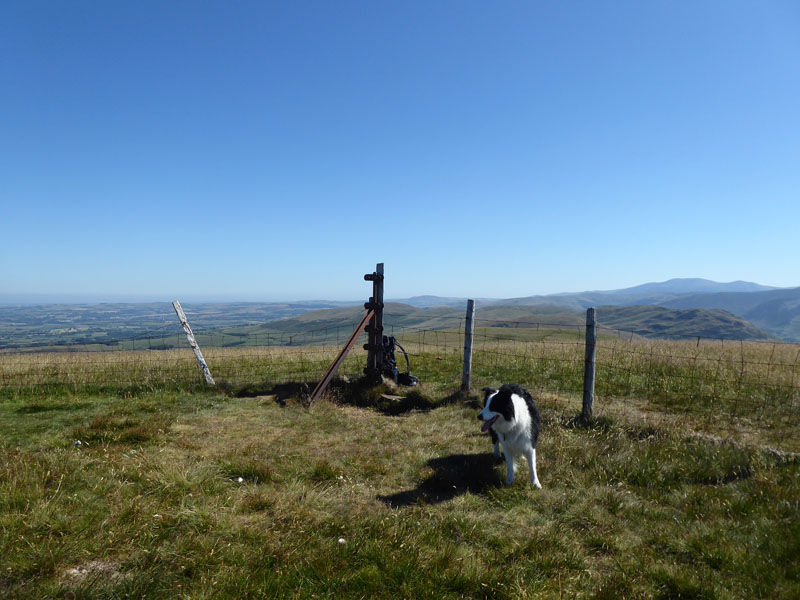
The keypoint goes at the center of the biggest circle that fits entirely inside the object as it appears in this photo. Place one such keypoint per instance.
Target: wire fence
(163, 360)
(737, 388)
(748, 390)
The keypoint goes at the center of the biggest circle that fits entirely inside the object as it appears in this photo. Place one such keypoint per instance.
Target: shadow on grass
(414, 400)
(388, 398)
(364, 392)
(452, 476)
(40, 407)
(601, 423)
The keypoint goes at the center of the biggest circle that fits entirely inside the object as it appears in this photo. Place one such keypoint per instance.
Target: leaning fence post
(589, 364)
(469, 332)
(193, 343)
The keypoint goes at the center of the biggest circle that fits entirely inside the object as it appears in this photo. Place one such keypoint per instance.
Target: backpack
(390, 363)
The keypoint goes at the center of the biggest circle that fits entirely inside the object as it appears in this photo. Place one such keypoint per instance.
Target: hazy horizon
(99, 298)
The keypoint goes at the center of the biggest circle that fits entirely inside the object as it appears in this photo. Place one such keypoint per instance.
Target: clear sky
(278, 150)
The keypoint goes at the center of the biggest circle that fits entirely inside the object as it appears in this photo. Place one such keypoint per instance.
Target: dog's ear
(488, 391)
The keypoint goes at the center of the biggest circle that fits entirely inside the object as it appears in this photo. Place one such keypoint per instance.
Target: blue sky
(265, 150)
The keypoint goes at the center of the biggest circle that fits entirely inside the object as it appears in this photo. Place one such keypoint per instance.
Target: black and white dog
(511, 415)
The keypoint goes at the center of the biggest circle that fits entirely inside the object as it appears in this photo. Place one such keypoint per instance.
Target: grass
(128, 372)
(122, 476)
(202, 495)
(748, 390)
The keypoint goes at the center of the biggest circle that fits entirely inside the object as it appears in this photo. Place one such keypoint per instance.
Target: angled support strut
(340, 358)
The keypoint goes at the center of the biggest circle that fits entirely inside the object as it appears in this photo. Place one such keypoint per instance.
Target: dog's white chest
(517, 441)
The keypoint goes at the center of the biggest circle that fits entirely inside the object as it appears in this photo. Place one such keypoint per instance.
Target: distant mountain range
(648, 293)
(692, 286)
(774, 310)
(677, 308)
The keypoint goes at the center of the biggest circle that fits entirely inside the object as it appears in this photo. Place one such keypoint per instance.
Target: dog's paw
(537, 485)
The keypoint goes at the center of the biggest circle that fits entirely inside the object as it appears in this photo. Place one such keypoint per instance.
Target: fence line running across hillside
(735, 384)
(163, 360)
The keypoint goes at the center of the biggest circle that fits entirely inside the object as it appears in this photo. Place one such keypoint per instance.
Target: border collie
(511, 416)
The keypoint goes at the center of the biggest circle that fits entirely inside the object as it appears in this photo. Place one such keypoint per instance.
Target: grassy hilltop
(178, 491)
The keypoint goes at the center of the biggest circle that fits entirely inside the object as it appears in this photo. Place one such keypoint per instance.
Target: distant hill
(429, 301)
(692, 286)
(660, 322)
(397, 315)
(776, 311)
(646, 294)
(771, 310)
(647, 321)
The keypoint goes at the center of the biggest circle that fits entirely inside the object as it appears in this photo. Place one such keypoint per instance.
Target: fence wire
(163, 360)
(734, 387)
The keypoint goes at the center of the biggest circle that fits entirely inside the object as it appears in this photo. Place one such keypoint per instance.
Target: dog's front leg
(509, 468)
(496, 442)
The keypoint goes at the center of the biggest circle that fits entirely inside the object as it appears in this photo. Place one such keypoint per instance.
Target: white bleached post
(193, 343)
(469, 333)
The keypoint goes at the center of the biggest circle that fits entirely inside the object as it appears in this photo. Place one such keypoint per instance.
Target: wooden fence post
(193, 343)
(589, 364)
(374, 345)
(469, 332)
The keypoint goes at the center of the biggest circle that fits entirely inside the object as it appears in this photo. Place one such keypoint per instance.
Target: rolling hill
(660, 322)
(774, 310)
(647, 294)
(729, 310)
(399, 315)
(693, 286)
(647, 321)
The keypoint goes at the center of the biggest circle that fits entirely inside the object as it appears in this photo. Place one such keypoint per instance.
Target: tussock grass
(201, 495)
(749, 390)
(136, 372)
(177, 490)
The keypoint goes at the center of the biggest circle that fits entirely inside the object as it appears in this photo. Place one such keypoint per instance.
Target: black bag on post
(390, 363)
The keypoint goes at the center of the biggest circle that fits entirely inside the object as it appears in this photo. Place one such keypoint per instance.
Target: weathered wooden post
(469, 333)
(193, 343)
(374, 345)
(589, 364)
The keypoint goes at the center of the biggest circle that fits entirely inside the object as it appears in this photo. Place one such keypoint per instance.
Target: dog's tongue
(488, 424)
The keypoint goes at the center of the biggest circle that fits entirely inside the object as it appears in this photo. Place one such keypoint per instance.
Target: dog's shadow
(452, 476)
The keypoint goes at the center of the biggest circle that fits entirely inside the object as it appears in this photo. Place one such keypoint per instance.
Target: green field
(674, 490)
